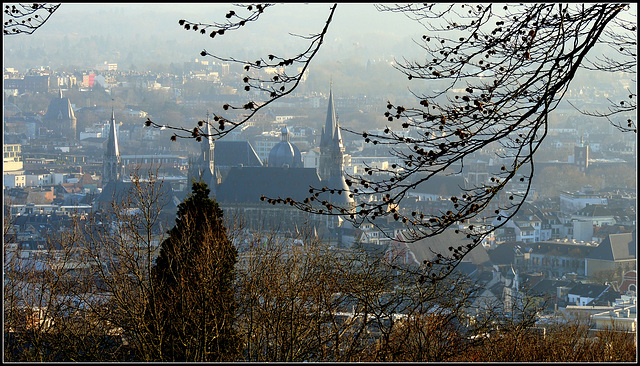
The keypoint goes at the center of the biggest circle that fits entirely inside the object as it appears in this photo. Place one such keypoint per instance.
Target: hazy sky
(357, 28)
(358, 31)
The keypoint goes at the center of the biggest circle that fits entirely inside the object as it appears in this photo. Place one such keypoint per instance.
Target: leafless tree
(299, 301)
(26, 18)
(302, 301)
(501, 70)
(572, 341)
(276, 85)
(50, 301)
(124, 239)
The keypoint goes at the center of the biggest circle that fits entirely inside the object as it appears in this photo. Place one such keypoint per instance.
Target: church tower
(207, 150)
(111, 161)
(331, 162)
(331, 147)
(581, 155)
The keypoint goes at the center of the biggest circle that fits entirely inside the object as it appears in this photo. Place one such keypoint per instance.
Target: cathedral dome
(285, 153)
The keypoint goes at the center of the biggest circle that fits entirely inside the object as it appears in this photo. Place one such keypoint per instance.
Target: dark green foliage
(192, 311)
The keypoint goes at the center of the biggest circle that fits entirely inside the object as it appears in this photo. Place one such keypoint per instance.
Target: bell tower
(331, 147)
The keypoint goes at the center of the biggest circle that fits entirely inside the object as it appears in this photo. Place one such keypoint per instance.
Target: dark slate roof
(605, 299)
(422, 249)
(59, 108)
(118, 190)
(588, 290)
(526, 227)
(441, 184)
(467, 268)
(236, 153)
(503, 253)
(616, 247)
(595, 211)
(248, 184)
(549, 286)
(527, 209)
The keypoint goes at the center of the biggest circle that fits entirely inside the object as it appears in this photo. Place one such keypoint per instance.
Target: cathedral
(239, 189)
(238, 179)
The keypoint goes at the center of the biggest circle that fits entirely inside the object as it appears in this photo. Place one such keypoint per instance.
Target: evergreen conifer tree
(191, 313)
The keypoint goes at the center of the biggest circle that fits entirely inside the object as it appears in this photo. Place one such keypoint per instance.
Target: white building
(571, 202)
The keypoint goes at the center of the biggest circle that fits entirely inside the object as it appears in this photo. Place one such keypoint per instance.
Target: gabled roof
(588, 290)
(39, 171)
(467, 268)
(87, 179)
(72, 187)
(235, 154)
(59, 108)
(616, 247)
(528, 212)
(524, 226)
(606, 298)
(594, 211)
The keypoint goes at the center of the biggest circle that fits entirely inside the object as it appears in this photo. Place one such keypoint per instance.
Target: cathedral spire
(207, 141)
(332, 150)
(330, 123)
(112, 142)
(111, 162)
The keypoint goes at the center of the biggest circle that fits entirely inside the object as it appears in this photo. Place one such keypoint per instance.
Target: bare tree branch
(26, 18)
(276, 86)
(503, 71)
(621, 39)
(500, 70)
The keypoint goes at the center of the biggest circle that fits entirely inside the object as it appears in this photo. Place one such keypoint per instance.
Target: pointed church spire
(112, 142)
(330, 123)
(207, 140)
(331, 147)
(111, 162)
(203, 168)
